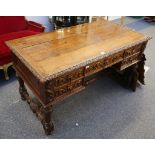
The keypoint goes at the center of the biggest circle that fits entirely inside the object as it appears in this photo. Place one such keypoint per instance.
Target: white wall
(114, 17)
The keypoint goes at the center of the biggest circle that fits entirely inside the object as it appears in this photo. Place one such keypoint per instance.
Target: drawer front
(133, 50)
(67, 89)
(104, 63)
(68, 77)
(57, 93)
(130, 60)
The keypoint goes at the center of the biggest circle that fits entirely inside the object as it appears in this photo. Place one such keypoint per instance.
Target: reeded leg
(141, 69)
(47, 123)
(22, 89)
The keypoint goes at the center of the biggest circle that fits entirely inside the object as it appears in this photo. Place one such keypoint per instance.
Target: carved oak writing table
(57, 64)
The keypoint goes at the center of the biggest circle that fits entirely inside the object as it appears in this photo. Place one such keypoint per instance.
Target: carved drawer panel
(104, 63)
(68, 77)
(59, 92)
(67, 88)
(130, 61)
(133, 50)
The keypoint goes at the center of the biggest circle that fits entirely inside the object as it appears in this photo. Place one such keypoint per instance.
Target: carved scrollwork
(130, 60)
(67, 88)
(133, 50)
(105, 62)
(66, 78)
(53, 93)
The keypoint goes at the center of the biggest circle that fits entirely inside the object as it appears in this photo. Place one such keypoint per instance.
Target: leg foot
(48, 128)
(46, 122)
(5, 68)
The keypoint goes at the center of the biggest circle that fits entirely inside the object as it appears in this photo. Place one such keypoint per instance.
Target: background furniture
(95, 18)
(67, 21)
(13, 27)
(149, 18)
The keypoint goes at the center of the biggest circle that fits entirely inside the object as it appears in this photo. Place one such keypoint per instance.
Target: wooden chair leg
(5, 69)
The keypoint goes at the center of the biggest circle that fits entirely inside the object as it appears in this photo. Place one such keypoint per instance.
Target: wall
(114, 17)
(42, 20)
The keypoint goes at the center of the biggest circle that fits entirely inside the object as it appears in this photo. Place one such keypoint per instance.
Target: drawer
(132, 50)
(68, 77)
(130, 61)
(68, 88)
(103, 63)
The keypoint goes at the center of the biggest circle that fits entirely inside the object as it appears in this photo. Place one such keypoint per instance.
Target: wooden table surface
(50, 54)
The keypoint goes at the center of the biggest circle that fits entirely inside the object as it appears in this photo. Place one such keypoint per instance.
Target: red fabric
(33, 26)
(13, 27)
(5, 60)
(15, 35)
(12, 24)
(5, 52)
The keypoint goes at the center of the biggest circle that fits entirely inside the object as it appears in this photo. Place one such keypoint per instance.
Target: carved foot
(48, 127)
(46, 120)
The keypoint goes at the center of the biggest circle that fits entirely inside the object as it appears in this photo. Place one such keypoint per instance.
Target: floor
(104, 110)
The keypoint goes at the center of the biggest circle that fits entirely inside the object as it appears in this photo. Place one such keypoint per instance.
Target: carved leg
(141, 69)
(134, 77)
(127, 77)
(22, 89)
(47, 123)
(43, 114)
(130, 77)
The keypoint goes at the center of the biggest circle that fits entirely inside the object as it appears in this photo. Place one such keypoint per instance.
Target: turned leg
(46, 121)
(130, 77)
(22, 89)
(134, 77)
(43, 113)
(127, 77)
(141, 69)
(5, 68)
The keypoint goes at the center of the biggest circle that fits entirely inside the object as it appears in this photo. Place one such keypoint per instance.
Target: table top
(51, 54)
